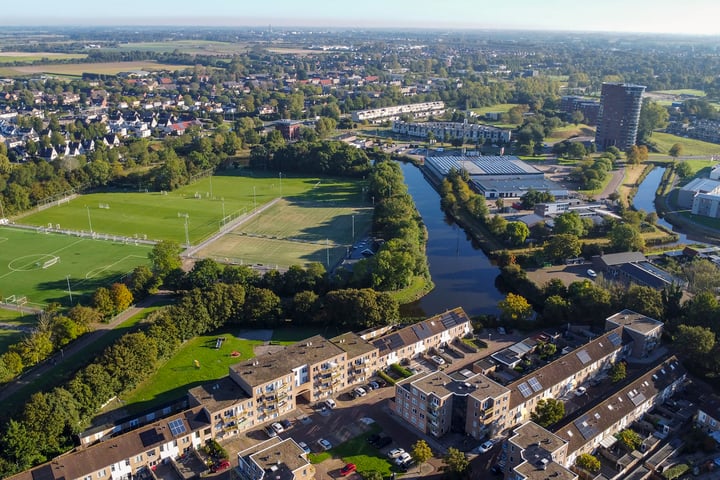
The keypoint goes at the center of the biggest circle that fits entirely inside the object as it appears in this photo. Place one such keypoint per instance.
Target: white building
(418, 110)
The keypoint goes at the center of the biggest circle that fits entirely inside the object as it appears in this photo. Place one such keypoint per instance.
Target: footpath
(57, 361)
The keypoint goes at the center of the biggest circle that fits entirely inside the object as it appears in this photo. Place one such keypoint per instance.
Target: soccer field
(293, 233)
(204, 204)
(38, 266)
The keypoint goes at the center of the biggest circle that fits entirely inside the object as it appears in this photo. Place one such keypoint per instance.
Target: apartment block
(533, 453)
(468, 132)
(275, 459)
(644, 332)
(417, 110)
(619, 115)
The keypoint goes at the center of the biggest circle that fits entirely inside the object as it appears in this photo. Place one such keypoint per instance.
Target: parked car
(375, 385)
(405, 466)
(277, 427)
(591, 273)
(348, 469)
(438, 359)
(580, 391)
(330, 403)
(405, 457)
(374, 438)
(485, 447)
(369, 388)
(360, 392)
(220, 466)
(381, 382)
(501, 331)
(270, 432)
(304, 447)
(286, 424)
(383, 442)
(396, 452)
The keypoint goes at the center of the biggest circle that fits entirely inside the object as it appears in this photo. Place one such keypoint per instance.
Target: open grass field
(179, 374)
(570, 130)
(294, 233)
(9, 57)
(13, 326)
(38, 265)
(161, 217)
(77, 69)
(691, 147)
(683, 91)
(500, 107)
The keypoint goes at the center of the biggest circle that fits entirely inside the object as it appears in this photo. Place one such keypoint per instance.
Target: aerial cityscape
(368, 241)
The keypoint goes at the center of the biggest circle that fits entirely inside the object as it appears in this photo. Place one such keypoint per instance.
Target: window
(101, 473)
(138, 459)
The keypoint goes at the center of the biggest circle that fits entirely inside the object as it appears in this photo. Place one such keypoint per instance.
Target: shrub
(400, 370)
(386, 377)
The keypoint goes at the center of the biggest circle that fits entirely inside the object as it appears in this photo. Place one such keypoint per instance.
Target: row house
(585, 433)
(393, 113)
(128, 455)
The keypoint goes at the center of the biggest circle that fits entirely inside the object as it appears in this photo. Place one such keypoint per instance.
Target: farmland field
(39, 266)
(9, 57)
(293, 233)
(162, 217)
(192, 47)
(77, 69)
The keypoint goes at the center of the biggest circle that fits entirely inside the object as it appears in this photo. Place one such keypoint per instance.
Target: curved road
(57, 361)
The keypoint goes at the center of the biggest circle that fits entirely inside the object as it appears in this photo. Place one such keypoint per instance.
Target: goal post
(51, 262)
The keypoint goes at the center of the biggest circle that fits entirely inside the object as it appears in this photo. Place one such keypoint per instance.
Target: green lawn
(684, 91)
(13, 325)
(571, 130)
(691, 147)
(158, 216)
(290, 335)
(499, 107)
(177, 375)
(366, 457)
(28, 265)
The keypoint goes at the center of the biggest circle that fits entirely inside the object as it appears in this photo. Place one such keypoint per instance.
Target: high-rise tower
(619, 115)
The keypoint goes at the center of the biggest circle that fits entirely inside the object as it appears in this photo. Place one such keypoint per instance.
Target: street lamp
(89, 221)
(67, 277)
(353, 228)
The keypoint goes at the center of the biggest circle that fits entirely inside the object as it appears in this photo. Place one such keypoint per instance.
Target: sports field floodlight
(280, 174)
(89, 221)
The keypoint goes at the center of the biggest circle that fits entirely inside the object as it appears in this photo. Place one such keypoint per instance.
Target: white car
(403, 458)
(438, 359)
(277, 427)
(580, 391)
(396, 452)
(324, 444)
(485, 447)
(360, 392)
(591, 273)
(330, 403)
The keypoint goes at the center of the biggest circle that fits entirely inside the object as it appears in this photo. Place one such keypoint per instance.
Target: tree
(694, 341)
(456, 461)
(517, 232)
(514, 307)
(20, 445)
(103, 302)
(588, 462)
(618, 372)
(625, 237)
(676, 150)
(121, 297)
(653, 116)
(421, 452)
(683, 169)
(569, 223)
(561, 247)
(533, 197)
(645, 300)
(701, 275)
(204, 274)
(165, 257)
(548, 411)
(629, 439)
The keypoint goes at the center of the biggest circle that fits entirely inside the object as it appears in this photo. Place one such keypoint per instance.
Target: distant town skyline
(643, 16)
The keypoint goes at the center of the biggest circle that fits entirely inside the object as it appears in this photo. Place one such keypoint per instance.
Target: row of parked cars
(399, 456)
(362, 391)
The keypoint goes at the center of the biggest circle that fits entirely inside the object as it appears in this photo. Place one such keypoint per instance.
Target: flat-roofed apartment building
(128, 454)
(533, 453)
(434, 403)
(645, 332)
(266, 387)
(275, 459)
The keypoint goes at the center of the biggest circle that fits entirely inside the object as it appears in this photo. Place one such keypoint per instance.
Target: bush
(675, 471)
(400, 370)
(386, 377)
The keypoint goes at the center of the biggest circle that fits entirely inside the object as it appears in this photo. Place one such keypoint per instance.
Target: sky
(658, 16)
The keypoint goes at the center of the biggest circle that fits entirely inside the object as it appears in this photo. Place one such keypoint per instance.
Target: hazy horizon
(692, 17)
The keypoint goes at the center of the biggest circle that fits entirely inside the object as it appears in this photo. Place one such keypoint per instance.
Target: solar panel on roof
(176, 427)
(615, 339)
(535, 385)
(586, 427)
(524, 390)
(151, 437)
(583, 356)
(421, 332)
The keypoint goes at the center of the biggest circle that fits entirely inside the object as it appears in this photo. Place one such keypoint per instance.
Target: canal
(462, 273)
(645, 199)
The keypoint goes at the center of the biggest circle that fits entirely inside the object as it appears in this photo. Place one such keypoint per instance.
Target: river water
(462, 273)
(645, 199)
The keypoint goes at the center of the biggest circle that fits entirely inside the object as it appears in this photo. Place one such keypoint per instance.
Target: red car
(219, 467)
(348, 469)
